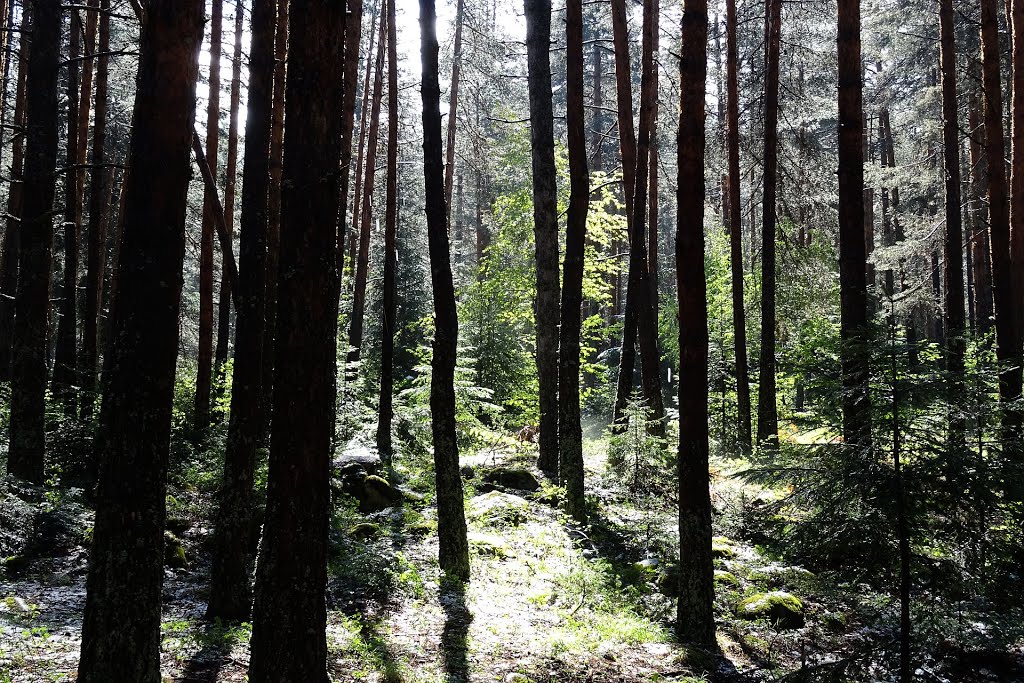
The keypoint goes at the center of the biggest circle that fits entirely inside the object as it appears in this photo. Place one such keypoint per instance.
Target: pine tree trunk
(65, 365)
(653, 214)
(451, 519)
(274, 215)
(739, 315)
(767, 406)
(355, 335)
(389, 313)
(979, 238)
(97, 219)
(854, 332)
(121, 627)
(289, 640)
(1006, 299)
(204, 374)
(695, 621)
(570, 433)
(12, 232)
(453, 109)
(545, 225)
(1017, 193)
(364, 111)
(230, 596)
(25, 455)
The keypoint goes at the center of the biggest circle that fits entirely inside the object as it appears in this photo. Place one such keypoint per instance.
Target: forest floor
(549, 601)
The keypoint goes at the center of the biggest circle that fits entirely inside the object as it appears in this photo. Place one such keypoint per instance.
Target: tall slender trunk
(230, 595)
(97, 219)
(451, 519)
(624, 104)
(570, 435)
(204, 374)
(1007, 304)
(767, 406)
(12, 232)
(695, 619)
(854, 331)
(364, 111)
(1017, 186)
(355, 335)
(979, 238)
(274, 209)
(389, 313)
(27, 446)
(739, 315)
(65, 365)
(121, 626)
(453, 108)
(653, 215)
(289, 640)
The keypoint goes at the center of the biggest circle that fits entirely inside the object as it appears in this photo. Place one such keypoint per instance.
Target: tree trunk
(230, 596)
(854, 332)
(12, 232)
(979, 238)
(25, 456)
(545, 225)
(570, 434)
(364, 111)
(767, 406)
(205, 356)
(453, 108)
(121, 626)
(739, 315)
(289, 640)
(1006, 299)
(355, 335)
(695, 620)
(97, 220)
(390, 308)
(65, 365)
(653, 217)
(1017, 195)
(624, 104)
(274, 212)
(451, 519)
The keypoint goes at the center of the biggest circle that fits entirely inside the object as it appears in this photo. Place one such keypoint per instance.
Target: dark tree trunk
(453, 109)
(204, 374)
(653, 215)
(289, 640)
(570, 435)
(65, 359)
(355, 334)
(274, 215)
(390, 308)
(451, 519)
(230, 596)
(767, 406)
(97, 220)
(1007, 303)
(12, 232)
(624, 104)
(739, 316)
(979, 238)
(854, 331)
(121, 627)
(545, 225)
(1017, 195)
(364, 112)
(695, 620)
(25, 455)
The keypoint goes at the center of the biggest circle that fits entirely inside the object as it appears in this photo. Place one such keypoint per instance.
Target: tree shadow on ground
(455, 649)
(216, 641)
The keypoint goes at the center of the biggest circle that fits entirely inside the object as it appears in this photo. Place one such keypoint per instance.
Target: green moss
(726, 578)
(782, 609)
(364, 530)
(722, 548)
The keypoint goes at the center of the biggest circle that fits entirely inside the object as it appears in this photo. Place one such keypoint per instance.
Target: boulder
(174, 552)
(775, 576)
(513, 478)
(784, 610)
(668, 581)
(722, 548)
(497, 509)
(377, 494)
(356, 452)
(727, 579)
(364, 530)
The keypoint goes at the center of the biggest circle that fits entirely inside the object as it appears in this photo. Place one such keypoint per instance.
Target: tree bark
(453, 108)
(121, 627)
(451, 519)
(65, 365)
(545, 225)
(979, 238)
(739, 315)
(854, 332)
(570, 435)
(97, 219)
(695, 620)
(767, 406)
(653, 217)
(12, 231)
(364, 110)
(1017, 193)
(355, 335)
(289, 640)
(390, 307)
(230, 595)
(27, 446)
(204, 374)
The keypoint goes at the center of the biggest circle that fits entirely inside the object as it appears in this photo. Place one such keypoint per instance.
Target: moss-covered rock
(776, 577)
(727, 579)
(512, 478)
(780, 608)
(722, 548)
(377, 494)
(174, 552)
(668, 581)
(497, 509)
(364, 530)
(488, 545)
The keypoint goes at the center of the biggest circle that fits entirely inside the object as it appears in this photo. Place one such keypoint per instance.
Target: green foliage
(636, 458)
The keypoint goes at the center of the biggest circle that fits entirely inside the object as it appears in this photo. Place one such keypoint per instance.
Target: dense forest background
(623, 340)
